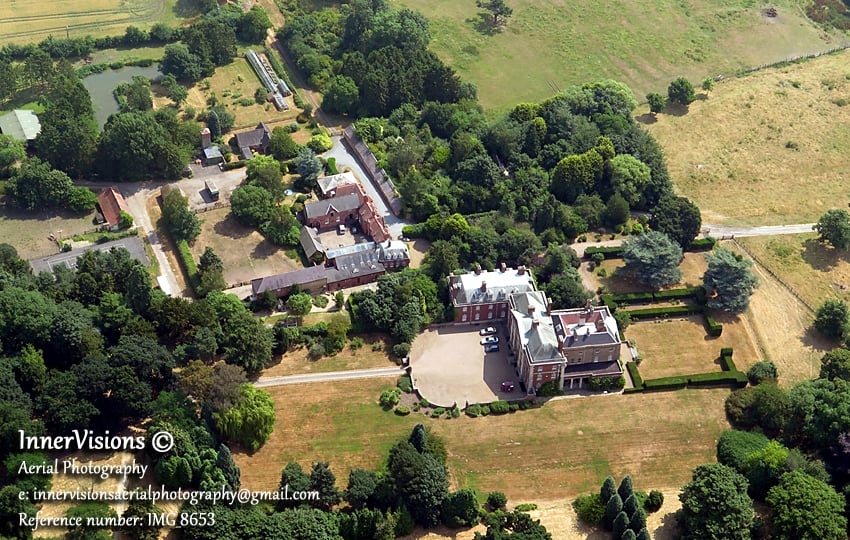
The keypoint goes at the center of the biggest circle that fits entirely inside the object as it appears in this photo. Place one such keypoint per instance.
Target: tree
(631, 505)
(835, 364)
(607, 490)
(281, 145)
(497, 8)
(728, 281)
(251, 419)
(735, 446)
(762, 371)
(567, 290)
(460, 508)
(181, 222)
(251, 205)
(211, 270)
(715, 504)
(496, 500)
(308, 166)
(612, 509)
(137, 512)
(708, 84)
(681, 91)
(88, 513)
(616, 210)
(264, 172)
(832, 318)
(834, 227)
(620, 525)
(36, 185)
(628, 535)
(361, 487)
(299, 305)
(323, 481)
(678, 218)
(626, 488)
(11, 151)
(253, 25)
(653, 259)
(805, 508)
(178, 61)
(341, 95)
(656, 101)
(421, 480)
(133, 146)
(629, 177)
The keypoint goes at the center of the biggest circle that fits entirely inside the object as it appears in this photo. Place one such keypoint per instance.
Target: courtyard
(449, 366)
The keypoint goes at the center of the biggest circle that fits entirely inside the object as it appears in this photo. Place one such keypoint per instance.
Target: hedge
(637, 380)
(188, 263)
(650, 313)
(714, 378)
(609, 252)
(633, 390)
(727, 364)
(666, 383)
(402, 410)
(500, 407)
(631, 298)
(702, 244)
(608, 300)
(715, 329)
(234, 165)
(685, 292)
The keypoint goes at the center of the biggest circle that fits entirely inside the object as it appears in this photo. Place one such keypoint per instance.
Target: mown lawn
(566, 447)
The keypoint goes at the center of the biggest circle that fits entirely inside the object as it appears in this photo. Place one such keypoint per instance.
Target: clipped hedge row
(634, 390)
(651, 313)
(685, 292)
(715, 329)
(637, 380)
(666, 383)
(718, 378)
(698, 293)
(703, 244)
(188, 263)
(631, 298)
(609, 252)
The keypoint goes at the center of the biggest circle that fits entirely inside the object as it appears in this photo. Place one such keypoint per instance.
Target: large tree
(728, 281)
(250, 420)
(252, 205)
(834, 227)
(715, 504)
(832, 318)
(835, 364)
(681, 91)
(264, 172)
(178, 61)
(566, 290)
(653, 259)
(497, 8)
(182, 222)
(134, 146)
(629, 177)
(678, 218)
(341, 96)
(805, 508)
(281, 145)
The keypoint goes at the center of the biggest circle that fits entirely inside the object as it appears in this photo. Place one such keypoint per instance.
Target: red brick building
(482, 296)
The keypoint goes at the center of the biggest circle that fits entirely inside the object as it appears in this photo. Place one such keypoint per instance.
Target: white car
(489, 340)
(489, 331)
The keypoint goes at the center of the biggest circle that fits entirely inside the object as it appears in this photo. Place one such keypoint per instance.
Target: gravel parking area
(449, 366)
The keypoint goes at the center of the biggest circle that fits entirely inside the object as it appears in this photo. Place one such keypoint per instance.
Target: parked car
(508, 386)
(491, 348)
(489, 331)
(489, 340)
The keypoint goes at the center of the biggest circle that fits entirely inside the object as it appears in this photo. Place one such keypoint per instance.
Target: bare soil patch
(418, 248)
(28, 231)
(244, 251)
(681, 346)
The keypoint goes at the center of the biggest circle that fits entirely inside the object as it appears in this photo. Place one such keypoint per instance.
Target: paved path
(768, 230)
(329, 376)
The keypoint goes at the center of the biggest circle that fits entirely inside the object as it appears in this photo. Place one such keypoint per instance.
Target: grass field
(22, 21)
(27, 231)
(693, 267)
(681, 346)
(566, 447)
(766, 149)
(297, 362)
(232, 83)
(244, 251)
(644, 43)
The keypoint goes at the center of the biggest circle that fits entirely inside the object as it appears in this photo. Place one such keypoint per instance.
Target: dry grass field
(765, 149)
(298, 362)
(681, 346)
(22, 21)
(564, 448)
(550, 44)
(231, 84)
(244, 251)
(27, 231)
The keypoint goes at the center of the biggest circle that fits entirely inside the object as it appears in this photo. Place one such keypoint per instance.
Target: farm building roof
(284, 281)
(310, 241)
(329, 183)
(111, 205)
(346, 203)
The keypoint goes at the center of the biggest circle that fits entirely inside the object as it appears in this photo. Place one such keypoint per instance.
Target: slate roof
(500, 284)
(359, 264)
(256, 138)
(310, 242)
(22, 124)
(284, 281)
(348, 203)
(111, 204)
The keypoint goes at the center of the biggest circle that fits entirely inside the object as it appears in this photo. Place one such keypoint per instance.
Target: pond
(100, 86)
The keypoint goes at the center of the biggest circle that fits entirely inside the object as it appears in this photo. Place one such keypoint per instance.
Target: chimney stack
(206, 138)
(483, 286)
(503, 266)
(521, 270)
(600, 325)
(535, 323)
(531, 311)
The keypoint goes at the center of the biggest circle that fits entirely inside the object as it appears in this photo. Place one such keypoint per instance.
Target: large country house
(482, 296)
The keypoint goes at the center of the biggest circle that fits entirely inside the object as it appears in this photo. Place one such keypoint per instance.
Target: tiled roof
(347, 203)
(310, 241)
(111, 205)
(284, 281)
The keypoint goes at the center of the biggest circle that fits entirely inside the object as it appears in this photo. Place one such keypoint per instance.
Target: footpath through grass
(644, 43)
(566, 447)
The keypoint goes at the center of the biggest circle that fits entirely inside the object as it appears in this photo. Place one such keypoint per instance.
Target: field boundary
(767, 269)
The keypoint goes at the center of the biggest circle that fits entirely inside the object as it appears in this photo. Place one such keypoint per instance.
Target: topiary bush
(474, 410)
(496, 500)
(589, 509)
(500, 407)
(401, 350)
(762, 371)
(405, 384)
(438, 412)
(653, 501)
(389, 398)
(402, 410)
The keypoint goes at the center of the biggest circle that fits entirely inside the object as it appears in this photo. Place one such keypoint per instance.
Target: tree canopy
(715, 504)
(728, 281)
(834, 227)
(678, 218)
(805, 508)
(653, 258)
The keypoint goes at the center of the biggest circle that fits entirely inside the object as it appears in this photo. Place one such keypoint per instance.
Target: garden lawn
(298, 362)
(231, 84)
(681, 346)
(765, 149)
(27, 230)
(693, 266)
(549, 44)
(564, 448)
(24, 22)
(244, 251)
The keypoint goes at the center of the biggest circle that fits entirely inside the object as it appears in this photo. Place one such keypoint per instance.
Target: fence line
(767, 269)
(211, 206)
(793, 59)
